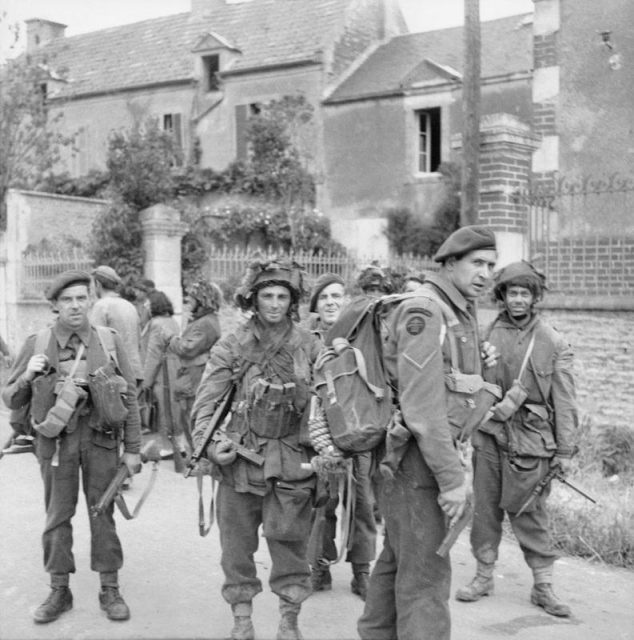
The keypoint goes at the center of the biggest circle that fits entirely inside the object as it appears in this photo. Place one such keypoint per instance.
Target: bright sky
(90, 15)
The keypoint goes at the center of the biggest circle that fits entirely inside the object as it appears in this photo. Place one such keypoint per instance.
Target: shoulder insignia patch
(415, 325)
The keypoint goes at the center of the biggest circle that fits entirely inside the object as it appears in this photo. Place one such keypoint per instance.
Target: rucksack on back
(350, 379)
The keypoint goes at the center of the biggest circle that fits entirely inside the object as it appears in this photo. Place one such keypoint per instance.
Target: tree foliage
(140, 168)
(140, 163)
(406, 233)
(30, 142)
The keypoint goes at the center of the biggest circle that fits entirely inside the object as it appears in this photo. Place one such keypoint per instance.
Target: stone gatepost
(162, 232)
(506, 148)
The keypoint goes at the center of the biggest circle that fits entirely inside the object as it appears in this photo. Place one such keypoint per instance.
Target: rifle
(455, 530)
(538, 489)
(222, 410)
(150, 452)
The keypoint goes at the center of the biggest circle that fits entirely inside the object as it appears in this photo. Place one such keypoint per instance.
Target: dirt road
(171, 579)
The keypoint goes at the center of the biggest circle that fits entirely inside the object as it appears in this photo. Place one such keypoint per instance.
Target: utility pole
(470, 183)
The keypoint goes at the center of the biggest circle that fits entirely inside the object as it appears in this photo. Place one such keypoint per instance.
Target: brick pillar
(162, 232)
(506, 147)
(546, 23)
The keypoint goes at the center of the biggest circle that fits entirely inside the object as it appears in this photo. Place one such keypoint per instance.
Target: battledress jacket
(17, 393)
(417, 357)
(546, 423)
(192, 347)
(243, 356)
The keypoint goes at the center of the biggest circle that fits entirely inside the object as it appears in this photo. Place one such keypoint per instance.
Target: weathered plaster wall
(95, 118)
(217, 130)
(596, 109)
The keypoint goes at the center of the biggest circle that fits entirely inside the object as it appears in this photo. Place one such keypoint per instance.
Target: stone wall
(603, 343)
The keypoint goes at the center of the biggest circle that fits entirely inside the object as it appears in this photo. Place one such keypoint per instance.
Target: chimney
(40, 32)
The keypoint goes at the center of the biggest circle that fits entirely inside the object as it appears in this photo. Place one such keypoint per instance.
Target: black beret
(320, 284)
(464, 240)
(66, 279)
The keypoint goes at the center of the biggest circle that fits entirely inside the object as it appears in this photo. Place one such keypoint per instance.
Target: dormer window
(211, 67)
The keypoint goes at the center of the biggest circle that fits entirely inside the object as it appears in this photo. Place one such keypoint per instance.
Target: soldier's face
(472, 272)
(518, 301)
(329, 302)
(273, 304)
(72, 305)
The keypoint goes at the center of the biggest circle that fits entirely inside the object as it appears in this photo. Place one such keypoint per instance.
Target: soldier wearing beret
(327, 300)
(51, 374)
(269, 360)
(423, 488)
(531, 429)
(111, 310)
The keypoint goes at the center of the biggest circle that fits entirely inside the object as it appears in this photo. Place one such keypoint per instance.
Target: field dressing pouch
(351, 383)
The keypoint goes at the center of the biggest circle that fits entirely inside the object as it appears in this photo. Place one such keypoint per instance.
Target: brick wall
(545, 50)
(589, 266)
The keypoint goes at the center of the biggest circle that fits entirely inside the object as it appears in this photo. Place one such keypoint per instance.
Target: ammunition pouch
(108, 392)
(469, 399)
(530, 432)
(396, 441)
(520, 475)
(272, 413)
(59, 417)
(510, 403)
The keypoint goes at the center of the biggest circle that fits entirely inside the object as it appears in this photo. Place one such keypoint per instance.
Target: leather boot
(113, 603)
(242, 624)
(320, 577)
(59, 600)
(543, 596)
(481, 585)
(361, 577)
(288, 629)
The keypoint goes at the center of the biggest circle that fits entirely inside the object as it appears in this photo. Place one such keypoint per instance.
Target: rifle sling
(120, 500)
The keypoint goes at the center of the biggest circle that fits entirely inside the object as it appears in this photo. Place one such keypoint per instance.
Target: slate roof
(267, 32)
(400, 64)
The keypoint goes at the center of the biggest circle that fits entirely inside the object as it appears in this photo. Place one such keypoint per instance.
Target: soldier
(111, 310)
(327, 300)
(532, 428)
(269, 358)
(71, 436)
(424, 487)
(202, 303)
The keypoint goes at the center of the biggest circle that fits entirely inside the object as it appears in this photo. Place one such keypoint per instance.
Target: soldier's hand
(36, 364)
(132, 461)
(453, 502)
(222, 452)
(489, 354)
(564, 464)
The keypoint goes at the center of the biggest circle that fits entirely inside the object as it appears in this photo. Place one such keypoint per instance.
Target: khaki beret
(464, 240)
(321, 283)
(107, 274)
(64, 280)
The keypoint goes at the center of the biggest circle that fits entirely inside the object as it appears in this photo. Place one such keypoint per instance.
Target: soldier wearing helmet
(201, 304)
(532, 428)
(269, 359)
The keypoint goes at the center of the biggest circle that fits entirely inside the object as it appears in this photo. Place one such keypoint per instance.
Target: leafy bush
(116, 239)
(406, 233)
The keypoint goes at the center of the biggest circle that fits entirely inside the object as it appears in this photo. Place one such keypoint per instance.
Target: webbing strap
(120, 501)
(204, 525)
